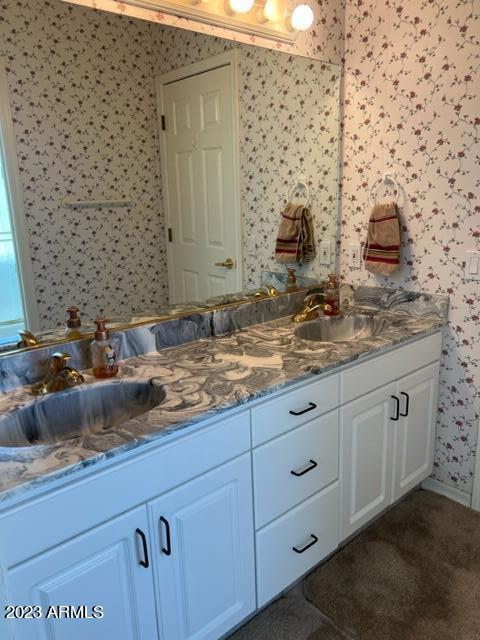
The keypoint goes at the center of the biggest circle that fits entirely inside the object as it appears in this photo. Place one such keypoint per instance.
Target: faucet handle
(60, 360)
(28, 339)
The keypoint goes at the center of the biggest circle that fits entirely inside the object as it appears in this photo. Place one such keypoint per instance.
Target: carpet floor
(414, 574)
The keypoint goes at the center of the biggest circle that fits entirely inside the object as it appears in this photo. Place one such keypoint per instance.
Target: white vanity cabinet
(367, 458)
(107, 566)
(387, 435)
(186, 540)
(414, 431)
(204, 569)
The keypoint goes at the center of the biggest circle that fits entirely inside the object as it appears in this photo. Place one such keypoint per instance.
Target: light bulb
(270, 11)
(241, 6)
(302, 17)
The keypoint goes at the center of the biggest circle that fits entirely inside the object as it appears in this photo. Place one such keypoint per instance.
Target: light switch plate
(355, 255)
(472, 265)
(325, 253)
(251, 247)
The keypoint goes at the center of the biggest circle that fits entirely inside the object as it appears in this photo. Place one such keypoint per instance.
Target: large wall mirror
(144, 166)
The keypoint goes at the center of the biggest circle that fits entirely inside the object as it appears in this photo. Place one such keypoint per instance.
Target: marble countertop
(202, 379)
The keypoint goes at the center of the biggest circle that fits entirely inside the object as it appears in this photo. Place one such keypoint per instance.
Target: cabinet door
(103, 567)
(204, 558)
(415, 430)
(366, 443)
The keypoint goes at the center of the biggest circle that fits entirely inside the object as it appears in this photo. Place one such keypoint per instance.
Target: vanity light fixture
(301, 18)
(240, 6)
(272, 19)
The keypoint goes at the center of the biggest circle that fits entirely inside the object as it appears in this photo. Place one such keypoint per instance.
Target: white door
(366, 443)
(204, 559)
(203, 201)
(415, 430)
(107, 566)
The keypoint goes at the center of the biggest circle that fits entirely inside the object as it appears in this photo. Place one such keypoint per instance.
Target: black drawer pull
(307, 546)
(311, 466)
(168, 549)
(407, 404)
(397, 409)
(311, 406)
(145, 563)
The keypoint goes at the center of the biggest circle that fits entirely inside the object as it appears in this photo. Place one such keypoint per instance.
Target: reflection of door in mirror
(200, 151)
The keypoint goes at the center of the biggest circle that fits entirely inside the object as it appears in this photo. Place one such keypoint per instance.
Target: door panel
(206, 584)
(201, 158)
(415, 432)
(101, 567)
(366, 450)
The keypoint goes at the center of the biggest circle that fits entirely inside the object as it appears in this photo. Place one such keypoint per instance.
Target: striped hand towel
(295, 241)
(382, 250)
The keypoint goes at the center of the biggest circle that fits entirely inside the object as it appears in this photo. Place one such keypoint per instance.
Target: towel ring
(300, 182)
(387, 178)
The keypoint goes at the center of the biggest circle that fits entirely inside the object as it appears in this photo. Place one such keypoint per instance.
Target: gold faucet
(267, 290)
(28, 339)
(309, 309)
(59, 376)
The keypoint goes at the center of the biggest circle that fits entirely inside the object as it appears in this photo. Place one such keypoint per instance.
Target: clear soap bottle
(72, 330)
(104, 352)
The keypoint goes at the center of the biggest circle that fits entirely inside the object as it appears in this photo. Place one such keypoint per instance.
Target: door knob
(228, 263)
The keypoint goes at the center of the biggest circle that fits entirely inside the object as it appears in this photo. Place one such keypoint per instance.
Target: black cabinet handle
(307, 546)
(311, 406)
(407, 404)
(145, 563)
(311, 466)
(168, 549)
(397, 409)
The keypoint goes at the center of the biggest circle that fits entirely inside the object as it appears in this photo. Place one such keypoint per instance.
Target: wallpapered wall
(412, 102)
(83, 105)
(82, 92)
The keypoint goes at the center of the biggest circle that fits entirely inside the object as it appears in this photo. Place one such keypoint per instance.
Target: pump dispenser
(104, 352)
(72, 329)
(331, 304)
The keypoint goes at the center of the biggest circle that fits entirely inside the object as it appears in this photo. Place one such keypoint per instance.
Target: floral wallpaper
(85, 121)
(412, 78)
(83, 106)
(301, 139)
(323, 41)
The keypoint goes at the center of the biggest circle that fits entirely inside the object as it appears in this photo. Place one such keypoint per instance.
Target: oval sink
(340, 328)
(78, 411)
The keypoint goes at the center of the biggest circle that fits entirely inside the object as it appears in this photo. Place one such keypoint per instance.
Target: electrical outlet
(325, 253)
(355, 260)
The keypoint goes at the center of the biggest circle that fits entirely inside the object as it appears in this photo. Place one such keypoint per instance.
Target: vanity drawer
(310, 452)
(363, 378)
(293, 408)
(312, 528)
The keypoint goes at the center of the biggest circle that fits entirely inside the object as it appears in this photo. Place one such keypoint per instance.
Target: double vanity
(231, 467)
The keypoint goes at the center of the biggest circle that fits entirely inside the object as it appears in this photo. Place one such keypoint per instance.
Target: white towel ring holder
(388, 177)
(300, 182)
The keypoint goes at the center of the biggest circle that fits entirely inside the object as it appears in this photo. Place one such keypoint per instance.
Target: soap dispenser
(331, 305)
(72, 329)
(103, 351)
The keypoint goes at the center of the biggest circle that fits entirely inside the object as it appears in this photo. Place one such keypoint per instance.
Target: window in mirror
(12, 315)
(15, 264)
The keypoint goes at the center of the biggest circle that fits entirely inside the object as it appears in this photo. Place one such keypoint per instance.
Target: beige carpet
(413, 575)
(289, 618)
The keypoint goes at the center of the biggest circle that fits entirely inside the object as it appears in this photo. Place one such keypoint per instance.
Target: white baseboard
(447, 490)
